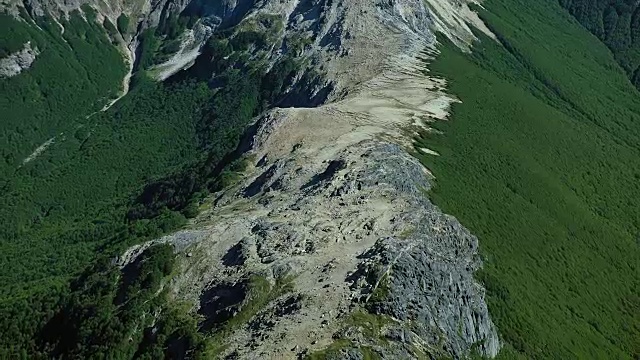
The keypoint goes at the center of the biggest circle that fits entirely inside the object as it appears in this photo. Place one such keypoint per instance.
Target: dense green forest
(541, 160)
(617, 24)
(74, 75)
(109, 180)
(106, 307)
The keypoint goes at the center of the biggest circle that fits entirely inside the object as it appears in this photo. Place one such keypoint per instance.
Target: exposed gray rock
(239, 254)
(18, 62)
(415, 265)
(347, 354)
(426, 276)
(222, 301)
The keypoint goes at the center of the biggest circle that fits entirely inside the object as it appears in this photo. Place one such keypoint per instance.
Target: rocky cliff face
(332, 212)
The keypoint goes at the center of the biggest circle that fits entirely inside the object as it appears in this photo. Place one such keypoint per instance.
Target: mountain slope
(540, 160)
(296, 254)
(617, 24)
(257, 191)
(70, 201)
(362, 58)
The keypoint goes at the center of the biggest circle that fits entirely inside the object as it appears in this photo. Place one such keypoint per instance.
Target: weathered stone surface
(18, 62)
(424, 276)
(368, 237)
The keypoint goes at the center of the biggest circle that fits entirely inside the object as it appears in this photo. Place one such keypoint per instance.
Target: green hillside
(109, 179)
(67, 206)
(76, 73)
(541, 161)
(617, 24)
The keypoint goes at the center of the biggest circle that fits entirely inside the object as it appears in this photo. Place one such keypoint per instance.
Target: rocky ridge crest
(332, 211)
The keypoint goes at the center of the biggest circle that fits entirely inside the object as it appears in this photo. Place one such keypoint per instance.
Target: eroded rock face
(18, 62)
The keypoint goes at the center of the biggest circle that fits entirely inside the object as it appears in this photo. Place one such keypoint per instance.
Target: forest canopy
(617, 24)
(108, 180)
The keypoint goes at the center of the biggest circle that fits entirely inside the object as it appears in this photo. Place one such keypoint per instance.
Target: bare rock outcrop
(18, 62)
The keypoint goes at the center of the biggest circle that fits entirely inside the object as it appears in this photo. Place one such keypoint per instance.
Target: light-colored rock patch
(18, 62)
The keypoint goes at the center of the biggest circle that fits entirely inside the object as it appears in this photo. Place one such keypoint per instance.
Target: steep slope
(70, 172)
(291, 133)
(617, 24)
(540, 160)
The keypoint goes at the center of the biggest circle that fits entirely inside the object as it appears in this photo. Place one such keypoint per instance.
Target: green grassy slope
(63, 204)
(541, 161)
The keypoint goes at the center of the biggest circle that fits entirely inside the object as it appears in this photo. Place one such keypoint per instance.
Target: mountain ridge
(271, 174)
